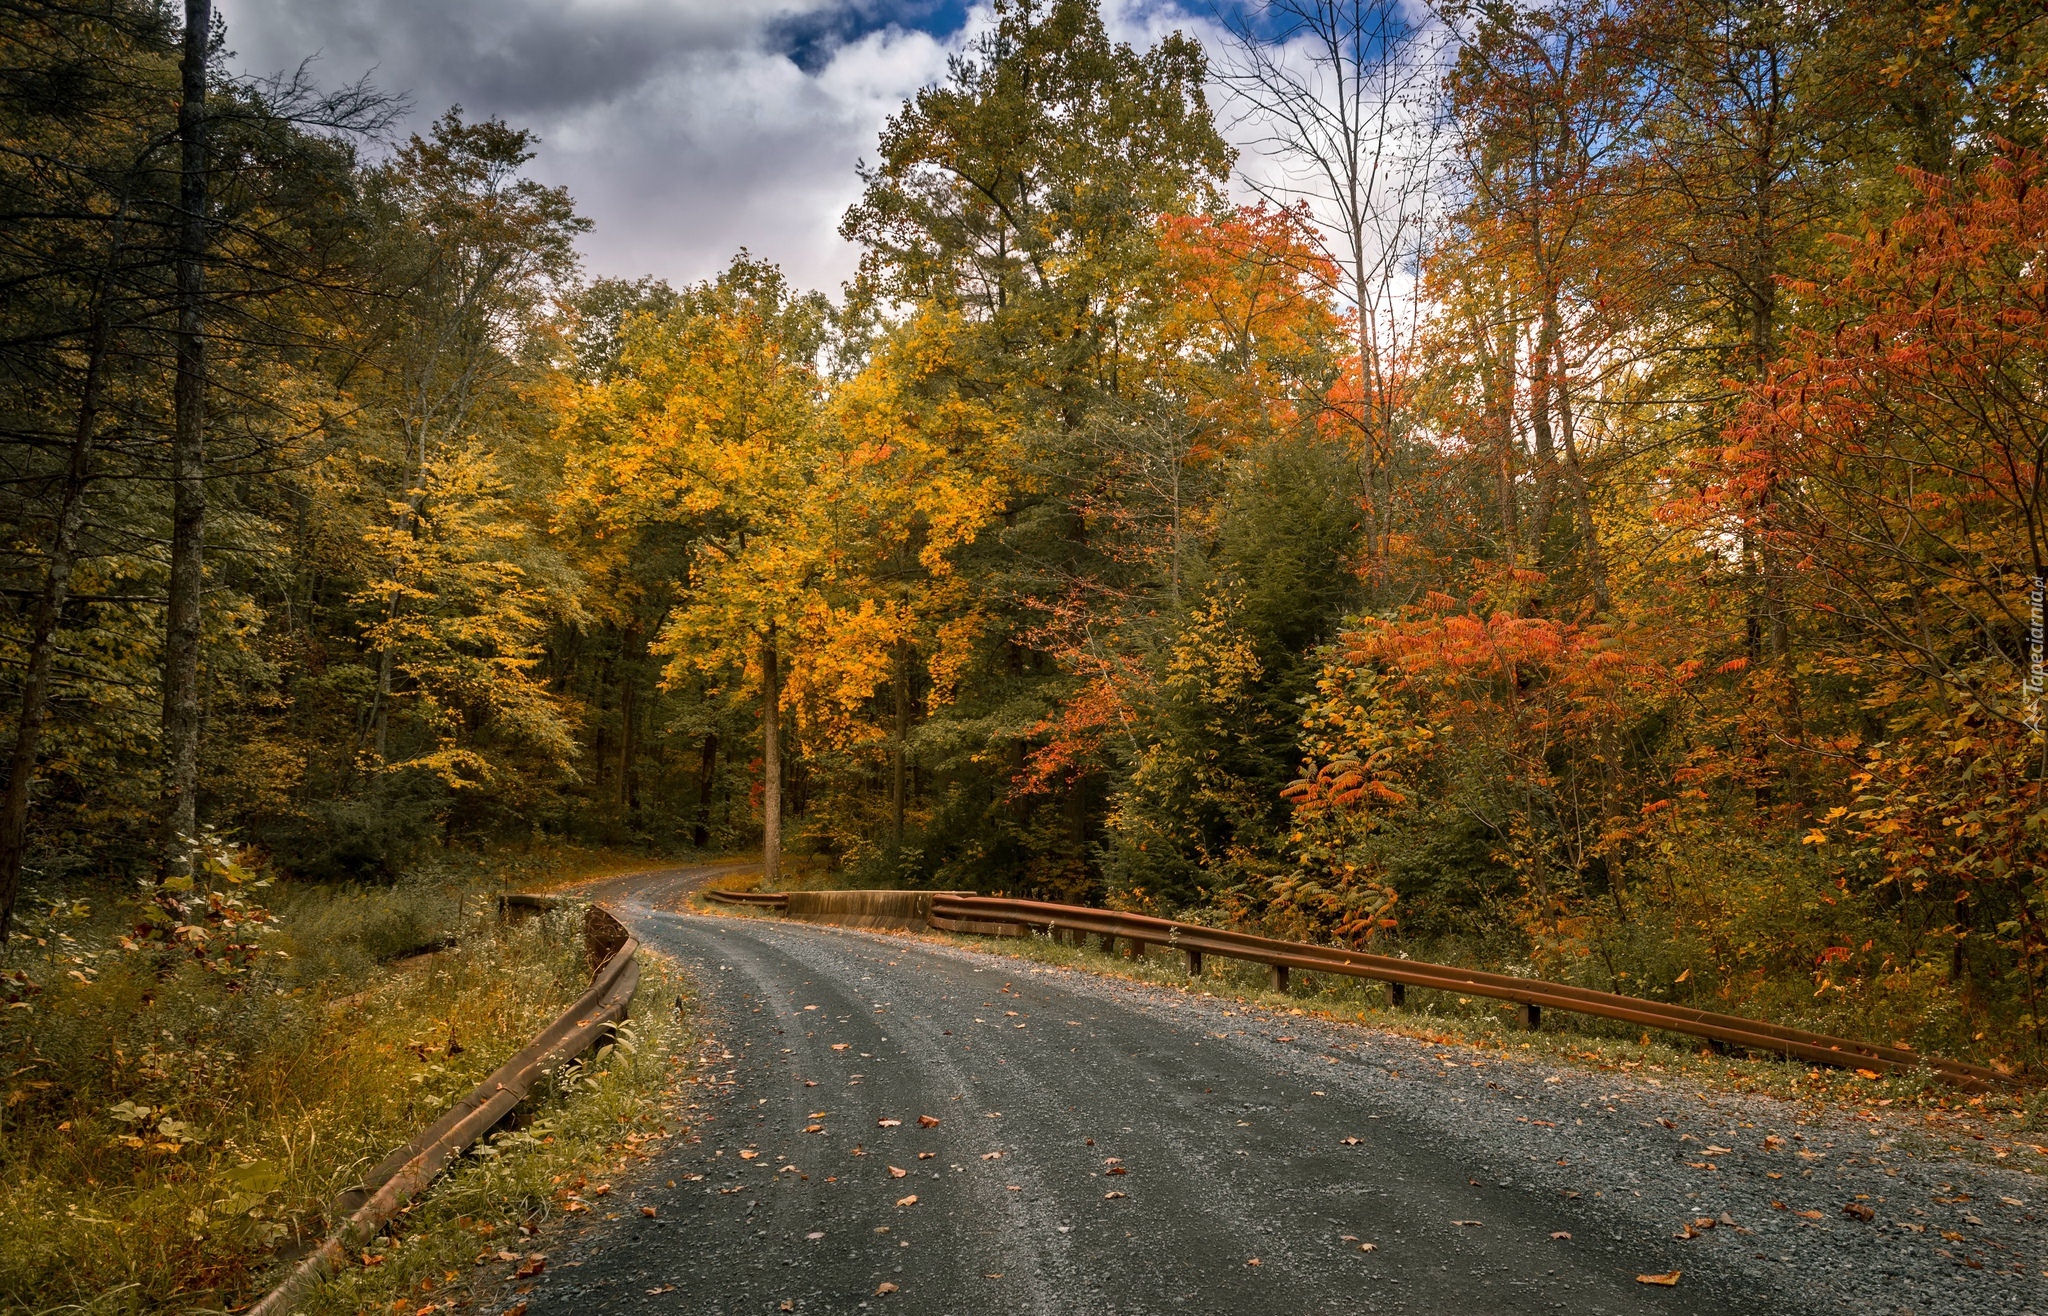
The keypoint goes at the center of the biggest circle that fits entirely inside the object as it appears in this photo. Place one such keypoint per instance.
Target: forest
(1564, 492)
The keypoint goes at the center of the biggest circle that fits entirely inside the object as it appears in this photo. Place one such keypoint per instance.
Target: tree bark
(707, 767)
(1545, 457)
(627, 713)
(1582, 499)
(900, 755)
(36, 680)
(188, 462)
(771, 761)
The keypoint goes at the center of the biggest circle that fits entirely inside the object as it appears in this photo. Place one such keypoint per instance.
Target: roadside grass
(192, 1077)
(2007, 1128)
(466, 1239)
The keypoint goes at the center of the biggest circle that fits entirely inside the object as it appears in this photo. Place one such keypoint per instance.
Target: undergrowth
(192, 1076)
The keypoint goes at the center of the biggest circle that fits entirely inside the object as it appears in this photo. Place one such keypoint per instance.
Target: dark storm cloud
(519, 55)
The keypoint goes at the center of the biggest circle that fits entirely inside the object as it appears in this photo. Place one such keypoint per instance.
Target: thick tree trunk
(188, 463)
(771, 761)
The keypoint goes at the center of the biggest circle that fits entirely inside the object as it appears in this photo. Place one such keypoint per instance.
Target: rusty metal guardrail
(1532, 996)
(403, 1174)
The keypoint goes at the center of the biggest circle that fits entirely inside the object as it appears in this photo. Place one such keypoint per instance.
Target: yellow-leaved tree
(713, 427)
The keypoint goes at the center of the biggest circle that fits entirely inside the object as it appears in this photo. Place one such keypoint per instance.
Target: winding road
(891, 1123)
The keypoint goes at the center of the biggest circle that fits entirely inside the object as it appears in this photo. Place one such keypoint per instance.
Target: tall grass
(188, 1088)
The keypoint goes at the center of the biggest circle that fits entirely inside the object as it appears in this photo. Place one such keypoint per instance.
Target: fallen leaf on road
(1107, 1197)
(814, 1128)
(666, 1288)
(1465, 1222)
(1719, 1151)
(896, 1172)
(1116, 1169)
(600, 1190)
(1812, 1215)
(838, 1046)
(991, 1274)
(1563, 1234)
(1668, 1280)
(992, 1156)
(907, 1201)
(508, 1256)
(532, 1266)
(885, 1287)
(1773, 1142)
(516, 1309)
(787, 1305)
(815, 1235)
(1859, 1210)
(1254, 1261)
(925, 1156)
(647, 1211)
(927, 1121)
(1350, 1142)
(887, 1123)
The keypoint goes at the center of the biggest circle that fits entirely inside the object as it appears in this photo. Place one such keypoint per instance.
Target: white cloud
(678, 125)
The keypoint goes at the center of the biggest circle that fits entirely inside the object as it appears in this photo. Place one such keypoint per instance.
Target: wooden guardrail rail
(403, 1174)
(1533, 996)
(758, 899)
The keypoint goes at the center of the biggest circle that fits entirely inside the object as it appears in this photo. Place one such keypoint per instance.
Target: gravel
(1108, 1146)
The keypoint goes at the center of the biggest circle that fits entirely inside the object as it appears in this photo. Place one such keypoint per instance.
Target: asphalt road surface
(887, 1123)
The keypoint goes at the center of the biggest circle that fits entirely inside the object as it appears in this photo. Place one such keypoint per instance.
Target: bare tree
(1342, 94)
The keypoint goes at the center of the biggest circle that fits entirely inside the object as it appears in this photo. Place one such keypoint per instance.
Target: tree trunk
(771, 762)
(1546, 446)
(36, 680)
(707, 766)
(1582, 500)
(188, 462)
(627, 712)
(899, 755)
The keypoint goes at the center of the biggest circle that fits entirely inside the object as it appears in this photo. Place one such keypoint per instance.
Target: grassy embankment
(189, 1088)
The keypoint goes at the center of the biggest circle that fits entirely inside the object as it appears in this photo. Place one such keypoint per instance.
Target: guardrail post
(1133, 950)
(1108, 943)
(1279, 976)
(1194, 964)
(1397, 995)
(1530, 1014)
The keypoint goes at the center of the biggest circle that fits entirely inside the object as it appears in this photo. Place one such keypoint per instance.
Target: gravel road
(885, 1123)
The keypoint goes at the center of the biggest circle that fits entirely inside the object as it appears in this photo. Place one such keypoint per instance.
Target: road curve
(1106, 1147)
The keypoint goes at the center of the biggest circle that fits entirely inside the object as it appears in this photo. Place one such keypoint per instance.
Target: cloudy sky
(685, 129)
